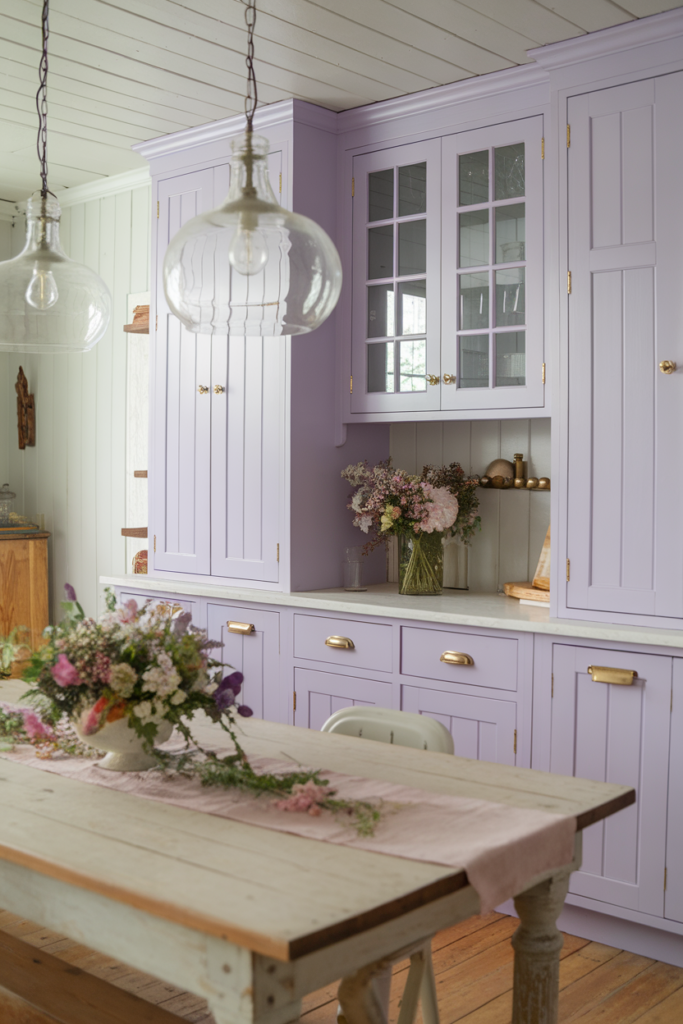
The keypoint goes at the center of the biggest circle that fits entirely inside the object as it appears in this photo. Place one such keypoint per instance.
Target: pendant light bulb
(248, 251)
(42, 292)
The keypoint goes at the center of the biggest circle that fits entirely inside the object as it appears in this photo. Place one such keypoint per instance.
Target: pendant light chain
(251, 98)
(41, 101)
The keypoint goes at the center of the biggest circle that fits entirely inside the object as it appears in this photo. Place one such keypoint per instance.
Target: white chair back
(402, 728)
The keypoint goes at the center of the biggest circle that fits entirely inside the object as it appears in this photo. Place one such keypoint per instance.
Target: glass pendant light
(251, 267)
(48, 302)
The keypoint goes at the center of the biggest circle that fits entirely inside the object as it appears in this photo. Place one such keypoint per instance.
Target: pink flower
(64, 674)
(34, 728)
(306, 797)
(91, 719)
(128, 611)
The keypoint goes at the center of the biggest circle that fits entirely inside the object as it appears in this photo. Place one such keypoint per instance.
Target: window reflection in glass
(473, 361)
(381, 195)
(510, 297)
(381, 252)
(412, 357)
(412, 247)
(474, 301)
(412, 189)
(381, 367)
(510, 359)
(510, 224)
(474, 238)
(412, 307)
(509, 161)
(381, 322)
(473, 178)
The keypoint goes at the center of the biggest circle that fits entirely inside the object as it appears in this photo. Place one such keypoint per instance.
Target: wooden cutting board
(542, 574)
(527, 592)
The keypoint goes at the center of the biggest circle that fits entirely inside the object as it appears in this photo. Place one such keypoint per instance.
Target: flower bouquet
(392, 503)
(458, 539)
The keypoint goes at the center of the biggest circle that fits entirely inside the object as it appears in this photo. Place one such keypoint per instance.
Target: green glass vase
(420, 563)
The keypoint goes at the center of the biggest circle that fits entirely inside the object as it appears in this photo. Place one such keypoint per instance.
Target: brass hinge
(157, 209)
(515, 744)
(569, 136)
(665, 871)
(542, 149)
(156, 325)
(353, 187)
(568, 566)
(569, 282)
(542, 373)
(280, 181)
(351, 384)
(294, 702)
(155, 543)
(278, 553)
(552, 685)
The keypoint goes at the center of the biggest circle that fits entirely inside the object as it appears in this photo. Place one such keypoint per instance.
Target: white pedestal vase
(455, 557)
(126, 752)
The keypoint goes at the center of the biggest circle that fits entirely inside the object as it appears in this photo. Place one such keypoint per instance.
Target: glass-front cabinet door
(396, 280)
(492, 268)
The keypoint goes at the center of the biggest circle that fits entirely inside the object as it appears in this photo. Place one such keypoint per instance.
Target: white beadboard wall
(76, 474)
(513, 523)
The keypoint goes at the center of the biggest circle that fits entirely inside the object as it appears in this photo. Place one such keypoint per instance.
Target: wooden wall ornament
(26, 412)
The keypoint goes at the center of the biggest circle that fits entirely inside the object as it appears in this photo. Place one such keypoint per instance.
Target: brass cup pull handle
(667, 366)
(244, 628)
(218, 389)
(604, 674)
(432, 379)
(456, 658)
(449, 378)
(342, 642)
(203, 389)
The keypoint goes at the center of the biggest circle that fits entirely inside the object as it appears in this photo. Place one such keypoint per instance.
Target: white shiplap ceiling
(123, 71)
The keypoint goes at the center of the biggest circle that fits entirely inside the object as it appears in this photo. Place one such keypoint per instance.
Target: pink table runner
(501, 848)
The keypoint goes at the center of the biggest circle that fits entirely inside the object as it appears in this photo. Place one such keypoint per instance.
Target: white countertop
(487, 611)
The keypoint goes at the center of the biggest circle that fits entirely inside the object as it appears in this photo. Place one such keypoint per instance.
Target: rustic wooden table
(252, 919)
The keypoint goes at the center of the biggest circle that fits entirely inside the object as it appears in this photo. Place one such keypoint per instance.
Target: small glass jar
(6, 504)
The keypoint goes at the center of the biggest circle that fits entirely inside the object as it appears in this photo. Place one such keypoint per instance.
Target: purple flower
(63, 672)
(226, 691)
(244, 711)
(181, 623)
(69, 592)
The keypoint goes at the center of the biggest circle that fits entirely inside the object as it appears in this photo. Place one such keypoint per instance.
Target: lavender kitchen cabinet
(673, 897)
(616, 733)
(255, 652)
(319, 694)
(482, 728)
(625, 417)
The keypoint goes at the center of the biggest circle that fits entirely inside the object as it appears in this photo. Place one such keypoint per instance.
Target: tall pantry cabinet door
(673, 897)
(181, 440)
(625, 416)
(617, 733)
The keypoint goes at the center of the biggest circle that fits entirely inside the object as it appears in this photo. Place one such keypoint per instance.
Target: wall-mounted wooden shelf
(140, 323)
(134, 531)
(141, 474)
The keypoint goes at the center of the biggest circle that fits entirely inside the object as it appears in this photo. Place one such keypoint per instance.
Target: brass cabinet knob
(667, 366)
(203, 389)
(432, 379)
(604, 674)
(218, 389)
(449, 378)
(244, 628)
(456, 658)
(342, 642)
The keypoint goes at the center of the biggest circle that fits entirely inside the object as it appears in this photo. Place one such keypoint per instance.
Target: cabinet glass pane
(474, 238)
(381, 195)
(412, 307)
(473, 178)
(412, 248)
(413, 365)
(381, 367)
(381, 252)
(510, 223)
(510, 297)
(510, 359)
(509, 162)
(412, 189)
(473, 360)
(380, 311)
(474, 301)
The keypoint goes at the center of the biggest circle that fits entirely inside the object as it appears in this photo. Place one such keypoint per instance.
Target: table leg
(359, 1000)
(537, 944)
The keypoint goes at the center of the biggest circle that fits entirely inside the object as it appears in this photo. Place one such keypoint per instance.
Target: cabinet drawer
(494, 658)
(371, 649)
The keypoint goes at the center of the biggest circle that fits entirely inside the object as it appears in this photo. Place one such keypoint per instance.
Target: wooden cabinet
(448, 273)
(625, 417)
(256, 653)
(609, 732)
(24, 584)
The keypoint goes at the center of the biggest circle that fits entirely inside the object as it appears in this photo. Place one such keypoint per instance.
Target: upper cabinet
(447, 304)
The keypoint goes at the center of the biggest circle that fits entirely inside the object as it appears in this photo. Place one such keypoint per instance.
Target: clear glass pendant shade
(48, 302)
(251, 267)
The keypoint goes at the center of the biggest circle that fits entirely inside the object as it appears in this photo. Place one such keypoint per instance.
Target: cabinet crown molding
(654, 29)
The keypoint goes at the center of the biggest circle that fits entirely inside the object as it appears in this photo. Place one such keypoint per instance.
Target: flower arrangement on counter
(454, 479)
(149, 667)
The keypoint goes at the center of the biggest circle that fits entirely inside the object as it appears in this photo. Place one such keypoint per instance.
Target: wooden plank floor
(473, 966)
